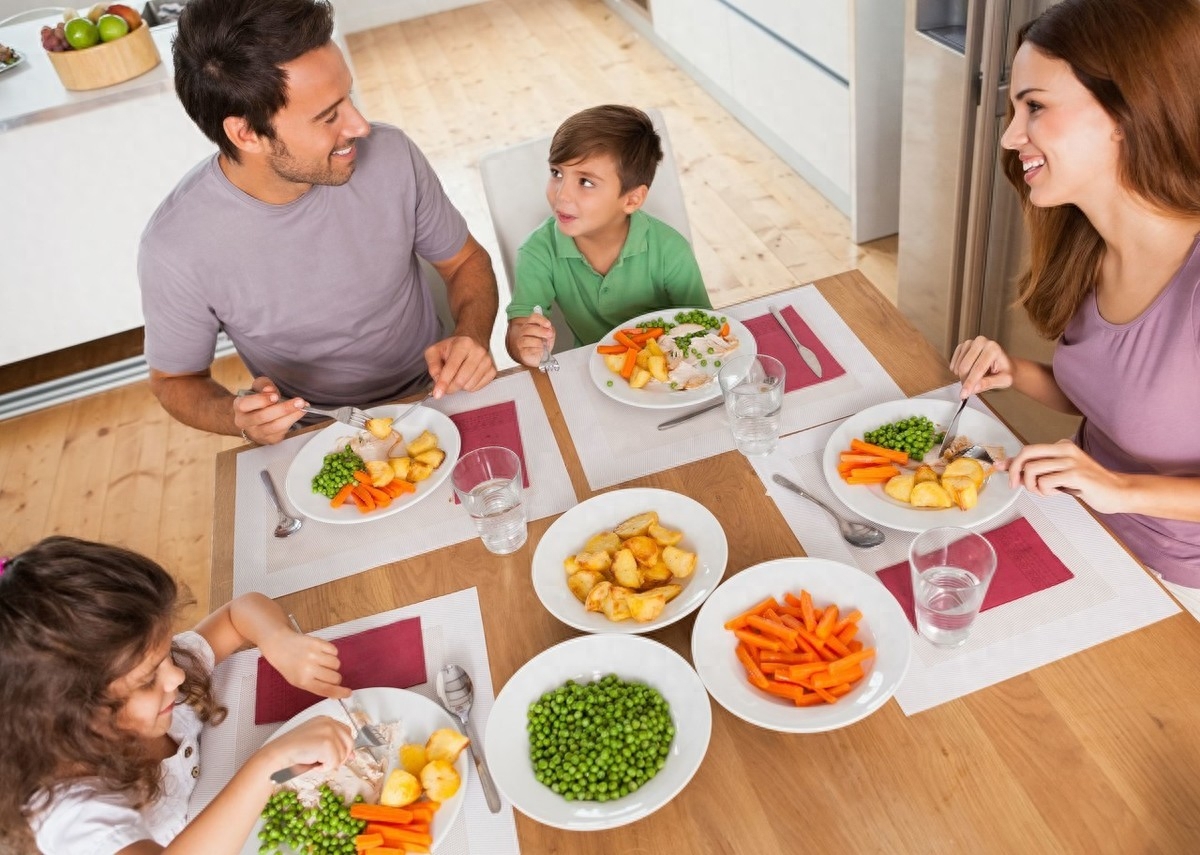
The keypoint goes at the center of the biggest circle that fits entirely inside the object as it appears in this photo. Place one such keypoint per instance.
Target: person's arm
(201, 402)
(682, 277)
(464, 360)
(305, 661)
(533, 285)
(981, 364)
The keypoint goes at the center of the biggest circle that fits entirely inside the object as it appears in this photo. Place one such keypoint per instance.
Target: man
(300, 237)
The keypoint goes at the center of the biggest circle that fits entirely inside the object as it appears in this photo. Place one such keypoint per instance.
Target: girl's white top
(84, 817)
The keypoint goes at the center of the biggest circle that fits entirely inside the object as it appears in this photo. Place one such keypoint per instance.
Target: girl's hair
(625, 133)
(74, 617)
(1140, 59)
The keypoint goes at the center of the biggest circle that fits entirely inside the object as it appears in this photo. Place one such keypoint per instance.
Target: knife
(806, 353)
(678, 420)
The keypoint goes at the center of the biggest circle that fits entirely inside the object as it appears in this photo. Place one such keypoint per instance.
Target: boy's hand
(533, 335)
(305, 661)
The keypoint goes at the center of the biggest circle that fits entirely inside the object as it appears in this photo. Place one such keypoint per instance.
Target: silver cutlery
(548, 362)
(288, 524)
(352, 416)
(678, 420)
(975, 452)
(400, 418)
(455, 690)
(806, 353)
(854, 533)
(949, 435)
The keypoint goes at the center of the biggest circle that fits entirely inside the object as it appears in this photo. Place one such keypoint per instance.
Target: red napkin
(773, 341)
(391, 655)
(1024, 565)
(494, 425)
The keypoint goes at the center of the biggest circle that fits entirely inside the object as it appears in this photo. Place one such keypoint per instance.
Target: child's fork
(549, 362)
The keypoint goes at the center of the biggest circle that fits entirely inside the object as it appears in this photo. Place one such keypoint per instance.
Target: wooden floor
(115, 467)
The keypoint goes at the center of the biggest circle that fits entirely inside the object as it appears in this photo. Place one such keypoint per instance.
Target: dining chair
(514, 181)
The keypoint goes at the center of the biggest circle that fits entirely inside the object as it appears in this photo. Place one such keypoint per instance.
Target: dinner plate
(418, 716)
(298, 482)
(884, 627)
(871, 502)
(655, 396)
(585, 659)
(702, 534)
(20, 58)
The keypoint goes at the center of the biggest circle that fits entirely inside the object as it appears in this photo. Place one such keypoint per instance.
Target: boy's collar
(636, 240)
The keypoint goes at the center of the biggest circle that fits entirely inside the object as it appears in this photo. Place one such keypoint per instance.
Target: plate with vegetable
(883, 464)
(582, 772)
(345, 476)
(629, 561)
(801, 645)
(409, 792)
(669, 358)
(9, 58)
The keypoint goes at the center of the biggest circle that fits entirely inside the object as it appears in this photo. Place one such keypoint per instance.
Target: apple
(81, 33)
(132, 18)
(111, 27)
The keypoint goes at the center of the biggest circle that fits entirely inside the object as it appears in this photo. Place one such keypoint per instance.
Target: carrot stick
(810, 700)
(825, 624)
(783, 690)
(854, 645)
(362, 477)
(848, 632)
(836, 646)
(339, 498)
(611, 348)
(629, 364)
(622, 338)
(364, 499)
(773, 629)
(739, 621)
(833, 678)
(753, 673)
(857, 459)
(368, 841)
(382, 499)
(803, 672)
(380, 813)
(752, 640)
(786, 657)
(853, 617)
(806, 609)
(900, 457)
(847, 662)
(874, 473)
(647, 334)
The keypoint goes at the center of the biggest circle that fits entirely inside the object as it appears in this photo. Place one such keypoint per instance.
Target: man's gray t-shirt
(324, 295)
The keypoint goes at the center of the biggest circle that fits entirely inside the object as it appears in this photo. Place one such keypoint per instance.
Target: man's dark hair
(228, 55)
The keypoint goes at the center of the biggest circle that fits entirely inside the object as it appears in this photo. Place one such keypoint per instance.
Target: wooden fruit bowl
(108, 62)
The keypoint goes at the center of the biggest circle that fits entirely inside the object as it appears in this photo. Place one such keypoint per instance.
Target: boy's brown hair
(625, 133)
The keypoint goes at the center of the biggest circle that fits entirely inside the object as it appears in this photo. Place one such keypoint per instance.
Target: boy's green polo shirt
(655, 270)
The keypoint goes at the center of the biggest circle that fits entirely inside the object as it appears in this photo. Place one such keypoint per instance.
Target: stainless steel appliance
(961, 237)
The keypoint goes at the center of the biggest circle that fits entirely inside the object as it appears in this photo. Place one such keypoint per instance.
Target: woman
(1104, 149)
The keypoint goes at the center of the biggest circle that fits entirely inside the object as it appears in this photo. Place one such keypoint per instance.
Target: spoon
(855, 533)
(288, 524)
(455, 690)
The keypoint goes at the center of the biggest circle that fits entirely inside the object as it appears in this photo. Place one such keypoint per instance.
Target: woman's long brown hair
(1140, 59)
(75, 616)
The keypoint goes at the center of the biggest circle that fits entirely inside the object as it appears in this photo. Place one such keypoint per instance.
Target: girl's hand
(319, 742)
(1064, 467)
(535, 334)
(981, 364)
(305, 661)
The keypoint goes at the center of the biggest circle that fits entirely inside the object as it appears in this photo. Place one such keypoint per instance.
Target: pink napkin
(391, 655)
(773, 341)
(494, 425)
(1024, 565)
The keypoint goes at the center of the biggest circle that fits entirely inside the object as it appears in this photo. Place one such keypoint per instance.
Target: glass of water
(488, 483)
(951, 571)
(753, 391)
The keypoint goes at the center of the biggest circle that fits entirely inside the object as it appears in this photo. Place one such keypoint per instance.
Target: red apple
(132, 18)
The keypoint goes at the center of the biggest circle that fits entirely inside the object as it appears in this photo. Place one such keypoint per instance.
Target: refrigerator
(961, 241)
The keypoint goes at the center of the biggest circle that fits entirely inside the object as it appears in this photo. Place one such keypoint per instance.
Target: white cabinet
(818, 82)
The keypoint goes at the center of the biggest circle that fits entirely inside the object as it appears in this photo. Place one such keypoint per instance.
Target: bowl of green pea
(598, 731)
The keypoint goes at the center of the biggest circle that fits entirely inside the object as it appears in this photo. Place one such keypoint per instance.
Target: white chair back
(514, 182)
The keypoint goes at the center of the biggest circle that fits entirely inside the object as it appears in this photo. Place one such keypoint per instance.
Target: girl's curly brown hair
(74, 617)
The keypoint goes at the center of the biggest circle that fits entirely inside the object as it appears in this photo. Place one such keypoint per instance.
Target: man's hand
(262, 416)
(459, 363)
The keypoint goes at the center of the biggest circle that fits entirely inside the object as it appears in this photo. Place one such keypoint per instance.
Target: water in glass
(947, 601)
(499, 516)
(755, 414)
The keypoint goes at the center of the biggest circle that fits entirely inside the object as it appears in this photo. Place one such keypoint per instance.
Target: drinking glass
(488, 483)
(951, 570)
(753, 391)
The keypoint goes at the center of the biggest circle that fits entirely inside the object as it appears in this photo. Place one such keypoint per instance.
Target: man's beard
(287, 168)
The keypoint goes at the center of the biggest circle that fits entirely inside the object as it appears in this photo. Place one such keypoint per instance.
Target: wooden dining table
(1097, 752)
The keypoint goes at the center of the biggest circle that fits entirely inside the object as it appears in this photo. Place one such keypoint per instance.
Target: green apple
(111, 27)
(81, 33)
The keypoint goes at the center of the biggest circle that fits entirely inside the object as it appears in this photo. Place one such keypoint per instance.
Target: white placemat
(321, 552)
(617, 442)
(452, 631)
(1109, 596)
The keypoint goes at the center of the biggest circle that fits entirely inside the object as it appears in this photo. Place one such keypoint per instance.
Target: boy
(599, 257)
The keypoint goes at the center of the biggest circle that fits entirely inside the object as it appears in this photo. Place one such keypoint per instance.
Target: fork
(352, 416)
(549, 362)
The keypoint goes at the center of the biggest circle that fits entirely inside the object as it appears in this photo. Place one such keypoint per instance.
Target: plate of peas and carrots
(801, 645)
(873, 433)
(669, 358)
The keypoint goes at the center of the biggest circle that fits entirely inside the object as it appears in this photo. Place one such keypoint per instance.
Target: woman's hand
(1064, 467)
(981, 364)
(321, 742)
(534, 334)
(305, 661)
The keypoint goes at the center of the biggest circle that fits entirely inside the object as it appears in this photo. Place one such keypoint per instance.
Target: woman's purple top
(1138, 387)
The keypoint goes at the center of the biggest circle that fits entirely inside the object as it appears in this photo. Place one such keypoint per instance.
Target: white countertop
(32, 92)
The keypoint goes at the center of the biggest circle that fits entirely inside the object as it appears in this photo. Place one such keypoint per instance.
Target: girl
(1104, 150)
(101, 709)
